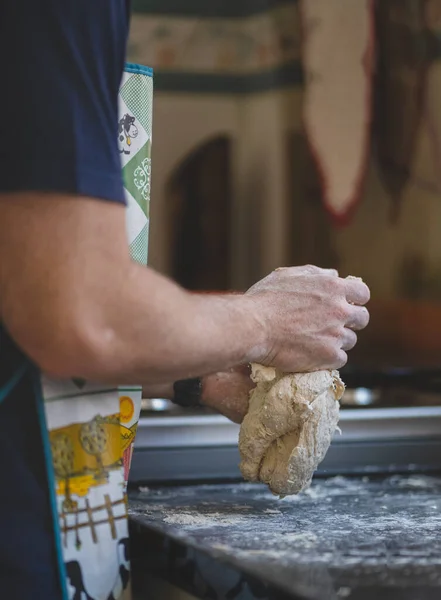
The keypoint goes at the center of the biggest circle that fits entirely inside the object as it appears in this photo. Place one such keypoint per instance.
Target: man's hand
(310, 316)
(327, 310)
(228, 392)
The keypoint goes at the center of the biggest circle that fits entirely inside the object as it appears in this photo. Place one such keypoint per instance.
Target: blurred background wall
(235, 191)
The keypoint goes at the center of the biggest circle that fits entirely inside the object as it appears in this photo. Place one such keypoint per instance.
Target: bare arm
(75, 302)
(78, 305)
(226, 392)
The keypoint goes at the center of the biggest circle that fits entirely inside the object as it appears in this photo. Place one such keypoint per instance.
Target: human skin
(75, 302)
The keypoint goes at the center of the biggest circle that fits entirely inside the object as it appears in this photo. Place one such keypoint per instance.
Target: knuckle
(334, 356)
(351, 339)
(336, 286)
(331, 354)
(359, 291)
(367, 316)
(309, 270)
(290, 272)
(361, 318)
(366, 292)
(342, 311)
(336, 335)
(342, 360)
(340, 333)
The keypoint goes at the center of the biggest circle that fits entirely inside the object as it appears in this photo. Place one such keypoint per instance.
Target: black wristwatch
(188, 392)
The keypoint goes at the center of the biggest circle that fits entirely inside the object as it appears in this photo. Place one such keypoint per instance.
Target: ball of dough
(289, 427)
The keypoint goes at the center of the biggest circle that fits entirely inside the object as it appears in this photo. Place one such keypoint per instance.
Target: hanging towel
(337, 48)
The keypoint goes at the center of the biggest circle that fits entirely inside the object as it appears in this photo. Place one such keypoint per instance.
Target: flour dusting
(415, 481)
(192, 519)
(305, 539)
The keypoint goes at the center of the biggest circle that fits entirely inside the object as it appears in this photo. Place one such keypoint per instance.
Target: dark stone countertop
(343, 538)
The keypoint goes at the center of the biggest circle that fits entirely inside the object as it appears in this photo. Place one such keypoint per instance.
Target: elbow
(77, 356)
(73, 350)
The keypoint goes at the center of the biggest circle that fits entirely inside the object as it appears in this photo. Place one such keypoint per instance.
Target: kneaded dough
(289, 427)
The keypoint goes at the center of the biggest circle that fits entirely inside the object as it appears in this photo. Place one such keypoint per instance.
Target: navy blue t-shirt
(61, 63)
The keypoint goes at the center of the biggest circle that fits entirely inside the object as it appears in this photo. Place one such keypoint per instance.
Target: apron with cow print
(91, 428)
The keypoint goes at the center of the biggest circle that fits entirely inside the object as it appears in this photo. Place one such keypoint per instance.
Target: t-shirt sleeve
(61, 63)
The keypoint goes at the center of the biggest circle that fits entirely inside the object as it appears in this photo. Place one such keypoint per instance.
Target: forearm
(150, 332)
(161, 333)
(227, 392)
(75, 302)
(159, 390)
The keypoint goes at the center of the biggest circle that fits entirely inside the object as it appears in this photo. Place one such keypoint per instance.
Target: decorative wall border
(207, 8)
(288, 75)
(199, 54)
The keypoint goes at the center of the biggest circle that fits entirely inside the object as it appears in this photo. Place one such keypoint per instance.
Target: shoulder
(58, 130)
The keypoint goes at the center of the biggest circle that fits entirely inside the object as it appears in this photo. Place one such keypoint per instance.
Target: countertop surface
(350, 538)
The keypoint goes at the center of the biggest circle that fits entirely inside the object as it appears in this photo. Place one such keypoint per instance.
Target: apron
(88, 429)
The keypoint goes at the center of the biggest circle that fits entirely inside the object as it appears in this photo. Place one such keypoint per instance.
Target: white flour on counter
(192, 519)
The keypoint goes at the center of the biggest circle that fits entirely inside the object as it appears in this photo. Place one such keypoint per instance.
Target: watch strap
(187, 392)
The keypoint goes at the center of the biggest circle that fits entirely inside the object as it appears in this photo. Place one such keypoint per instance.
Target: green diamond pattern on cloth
(139, 246)
(137, 176)
(137, 93)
